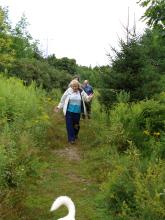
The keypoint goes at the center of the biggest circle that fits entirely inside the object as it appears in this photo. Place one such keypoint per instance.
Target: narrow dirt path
(64, 172)
(75, 182)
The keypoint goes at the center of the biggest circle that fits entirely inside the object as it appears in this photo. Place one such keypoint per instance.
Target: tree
(91, 74)
(41, 72)
(64, 63)
(137, 68)
(155, 12)
(127, 68)
(23, 44)
(6, 51)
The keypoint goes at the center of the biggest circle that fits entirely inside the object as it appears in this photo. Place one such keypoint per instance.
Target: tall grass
(23, 126)
(130, 162)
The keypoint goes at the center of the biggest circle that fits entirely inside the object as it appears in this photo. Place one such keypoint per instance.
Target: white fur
(65, 200)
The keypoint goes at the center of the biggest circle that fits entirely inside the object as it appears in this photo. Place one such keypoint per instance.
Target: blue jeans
(72, 125)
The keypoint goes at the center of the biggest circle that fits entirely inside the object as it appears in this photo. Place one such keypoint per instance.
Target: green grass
(55, 167)
(64, 171)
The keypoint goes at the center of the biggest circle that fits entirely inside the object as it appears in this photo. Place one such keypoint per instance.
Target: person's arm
(92, 90)
(62, 101)
(87, 98)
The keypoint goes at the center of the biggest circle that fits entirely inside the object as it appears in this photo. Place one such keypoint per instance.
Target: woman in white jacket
(73, 104)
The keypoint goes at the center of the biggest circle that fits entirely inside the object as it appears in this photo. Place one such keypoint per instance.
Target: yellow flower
(45, 117)
(129, 142)
(157, 134)
(146, 132)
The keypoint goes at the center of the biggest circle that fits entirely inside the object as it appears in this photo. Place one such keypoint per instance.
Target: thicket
(93, 75)
(132, 160)
(129, 162)
(23, 129)
(41, 73)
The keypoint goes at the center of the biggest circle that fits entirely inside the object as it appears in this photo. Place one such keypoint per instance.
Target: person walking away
(73, 104)
(89, 90)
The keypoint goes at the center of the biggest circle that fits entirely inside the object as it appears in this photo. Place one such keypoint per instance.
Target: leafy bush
(141, 123)
(23, 127)
(108, 99)
(134, 190)
(123, 97)
(42, 73)
(131, 169)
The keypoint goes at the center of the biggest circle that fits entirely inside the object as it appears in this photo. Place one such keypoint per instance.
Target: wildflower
(157, 134)
(49, 99)
(45, 117)
(129, 142)
(146, 132)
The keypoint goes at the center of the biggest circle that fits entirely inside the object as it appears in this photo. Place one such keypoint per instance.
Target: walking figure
(73, 104)
(89, 90)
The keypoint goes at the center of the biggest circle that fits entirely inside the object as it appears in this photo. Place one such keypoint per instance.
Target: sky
(83, 30)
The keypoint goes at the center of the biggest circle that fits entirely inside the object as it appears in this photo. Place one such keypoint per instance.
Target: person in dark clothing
(89, 90)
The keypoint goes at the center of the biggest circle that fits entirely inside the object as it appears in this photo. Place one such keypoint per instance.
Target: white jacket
(65, 100)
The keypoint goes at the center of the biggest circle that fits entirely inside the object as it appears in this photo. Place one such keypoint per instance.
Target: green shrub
(44, 75)
(134, 189)
(141, 123)
(23, 127)
(107, 97)
(149, 194)
(123, 97)
(132, 168)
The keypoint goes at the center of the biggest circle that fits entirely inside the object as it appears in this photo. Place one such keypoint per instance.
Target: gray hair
(74, 81)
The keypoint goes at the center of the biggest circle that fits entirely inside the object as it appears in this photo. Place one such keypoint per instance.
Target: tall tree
(64, 63)
(137, 68)
(6, 51)
(155, 12)
(22, 40)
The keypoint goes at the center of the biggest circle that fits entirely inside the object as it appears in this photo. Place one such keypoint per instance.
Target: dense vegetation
(23, 127)
(123, 146)
(134, 159)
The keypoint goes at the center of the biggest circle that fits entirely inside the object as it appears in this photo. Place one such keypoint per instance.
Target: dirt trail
(64, 172)
(71, 153)
(74, 180)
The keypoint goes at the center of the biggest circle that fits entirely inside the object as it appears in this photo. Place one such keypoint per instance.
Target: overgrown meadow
(23, 126)
(130, 160)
